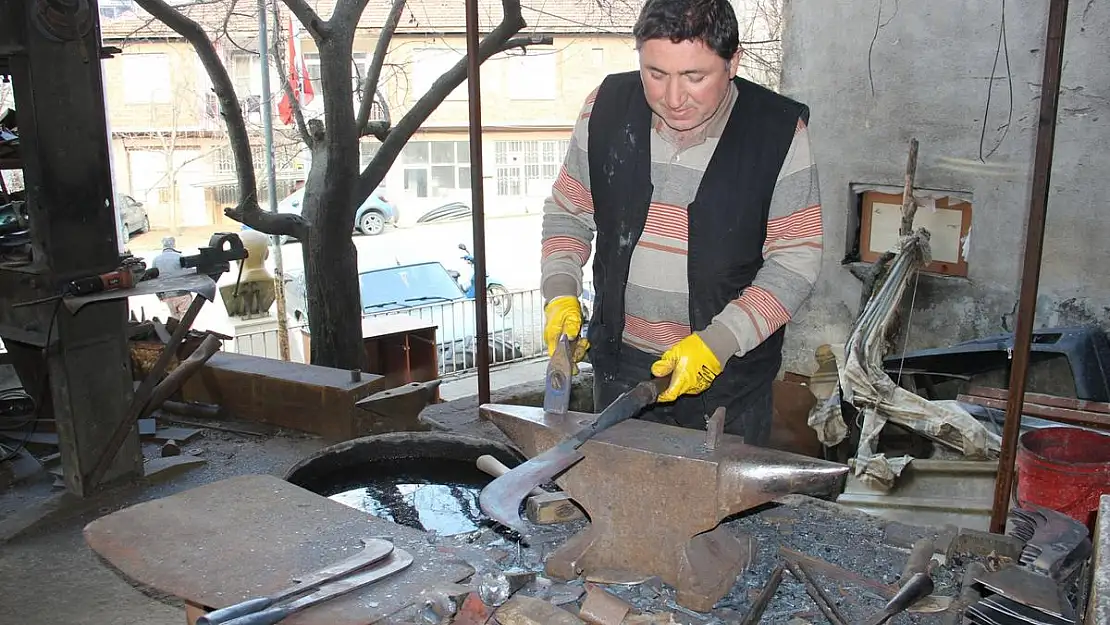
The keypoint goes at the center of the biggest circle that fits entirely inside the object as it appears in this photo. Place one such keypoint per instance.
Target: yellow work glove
(563, 315)
(692, 366)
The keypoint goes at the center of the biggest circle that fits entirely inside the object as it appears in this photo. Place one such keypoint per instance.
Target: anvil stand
(656, 494)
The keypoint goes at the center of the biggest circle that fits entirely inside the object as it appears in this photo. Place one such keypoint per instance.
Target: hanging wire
(1002, 49)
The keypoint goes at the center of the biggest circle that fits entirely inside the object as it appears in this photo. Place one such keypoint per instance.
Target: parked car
(425, 291)
(132, 214)
(452, 211)
(370, 218)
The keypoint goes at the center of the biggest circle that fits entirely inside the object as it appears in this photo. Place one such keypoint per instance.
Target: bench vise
(215, 259)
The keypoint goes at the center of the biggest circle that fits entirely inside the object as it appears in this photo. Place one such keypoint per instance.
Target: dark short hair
(713, 22)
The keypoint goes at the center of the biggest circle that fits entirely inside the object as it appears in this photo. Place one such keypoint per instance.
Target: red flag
(298, 79)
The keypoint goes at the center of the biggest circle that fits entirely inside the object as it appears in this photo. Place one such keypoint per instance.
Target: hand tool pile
(378, 560)
(1034, 590)
(915, 584)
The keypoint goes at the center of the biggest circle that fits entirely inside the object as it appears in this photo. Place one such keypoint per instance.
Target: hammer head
(560, 368)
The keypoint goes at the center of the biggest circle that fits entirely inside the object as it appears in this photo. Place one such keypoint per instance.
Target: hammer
(543, 508)
(492, 466)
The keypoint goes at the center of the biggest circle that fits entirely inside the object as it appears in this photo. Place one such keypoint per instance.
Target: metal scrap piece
(1028, 588)
(602, 608)
(1056, 544)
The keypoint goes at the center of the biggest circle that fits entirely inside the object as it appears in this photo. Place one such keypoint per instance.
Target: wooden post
(909, 204)
(65, 156)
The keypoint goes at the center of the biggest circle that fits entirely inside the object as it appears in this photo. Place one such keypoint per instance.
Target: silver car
(132, 214)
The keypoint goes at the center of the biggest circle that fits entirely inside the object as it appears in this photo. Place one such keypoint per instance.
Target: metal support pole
(271, 180)
(1031, 270)
(478, 219)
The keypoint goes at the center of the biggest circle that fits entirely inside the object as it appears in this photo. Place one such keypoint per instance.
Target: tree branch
(347, 13)
(370, 84)
(308, 18)
(379, 129)
(247, 212)
(524, 42)
(286, 86)
(511, 23)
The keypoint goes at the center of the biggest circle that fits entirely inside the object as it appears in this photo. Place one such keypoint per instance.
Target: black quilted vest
(727, 219)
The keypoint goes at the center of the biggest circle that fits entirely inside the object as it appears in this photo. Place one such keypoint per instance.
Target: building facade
(169, 142)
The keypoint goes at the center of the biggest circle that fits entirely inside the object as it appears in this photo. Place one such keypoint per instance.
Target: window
(359, 64)
(246, 75)
(528, 168)
(532, 75)
(947, 218)
(431, 63)
(367, 150)
(285, 159)
(436, 168)
(146, 78)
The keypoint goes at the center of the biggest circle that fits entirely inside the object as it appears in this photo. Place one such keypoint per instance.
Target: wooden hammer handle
(492, 466)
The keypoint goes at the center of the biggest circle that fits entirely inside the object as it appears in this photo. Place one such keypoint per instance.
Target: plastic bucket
(1064, 469)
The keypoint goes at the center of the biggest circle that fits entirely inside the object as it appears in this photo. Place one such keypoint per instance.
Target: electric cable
(43, 391)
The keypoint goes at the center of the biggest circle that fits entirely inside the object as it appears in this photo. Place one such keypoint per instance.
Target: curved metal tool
(375, 550)
(397, 561)
(501, 499)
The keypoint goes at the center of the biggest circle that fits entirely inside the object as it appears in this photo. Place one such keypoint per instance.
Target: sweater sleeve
(791, 260)
(568, 217)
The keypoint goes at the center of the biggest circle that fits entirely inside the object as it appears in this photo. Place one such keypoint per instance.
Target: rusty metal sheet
(249, 536)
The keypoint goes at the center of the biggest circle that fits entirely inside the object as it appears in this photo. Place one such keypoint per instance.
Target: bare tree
(761, 37)
(334, 186)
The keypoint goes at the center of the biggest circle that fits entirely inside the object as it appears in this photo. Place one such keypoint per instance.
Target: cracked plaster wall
(931, 65)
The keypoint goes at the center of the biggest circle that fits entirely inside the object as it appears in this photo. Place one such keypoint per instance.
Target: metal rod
(1031, 269)
(478, 213)
(271, 179)
(820, 599)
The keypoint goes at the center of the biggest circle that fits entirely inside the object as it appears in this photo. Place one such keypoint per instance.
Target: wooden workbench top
(249, 536)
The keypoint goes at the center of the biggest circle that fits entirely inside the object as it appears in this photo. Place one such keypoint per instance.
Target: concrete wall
(931, 68)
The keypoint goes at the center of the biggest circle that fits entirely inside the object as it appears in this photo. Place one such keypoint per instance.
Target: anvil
(656, 494)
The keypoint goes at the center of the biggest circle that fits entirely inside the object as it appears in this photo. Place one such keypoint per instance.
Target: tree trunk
(330, 256)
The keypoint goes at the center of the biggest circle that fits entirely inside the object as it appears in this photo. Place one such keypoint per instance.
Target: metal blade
(501, 499)
(374, 551)
(397, 561)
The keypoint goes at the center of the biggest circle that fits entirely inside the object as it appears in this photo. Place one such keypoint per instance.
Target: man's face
(684, 82)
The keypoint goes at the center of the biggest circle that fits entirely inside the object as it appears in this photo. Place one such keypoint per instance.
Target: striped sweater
(657, 295)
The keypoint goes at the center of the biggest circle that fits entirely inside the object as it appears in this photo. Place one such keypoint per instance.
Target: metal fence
(515, 331)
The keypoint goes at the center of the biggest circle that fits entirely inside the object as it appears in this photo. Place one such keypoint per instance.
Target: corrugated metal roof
(123, 19)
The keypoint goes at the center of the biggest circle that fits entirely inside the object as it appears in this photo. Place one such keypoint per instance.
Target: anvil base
(655, 495)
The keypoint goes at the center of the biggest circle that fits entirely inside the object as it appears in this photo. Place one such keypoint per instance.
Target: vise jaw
(656, 494)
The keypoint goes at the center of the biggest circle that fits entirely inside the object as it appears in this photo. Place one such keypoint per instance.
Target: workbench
(249, 536)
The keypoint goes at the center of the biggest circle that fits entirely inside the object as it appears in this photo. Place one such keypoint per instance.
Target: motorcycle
(497, 294)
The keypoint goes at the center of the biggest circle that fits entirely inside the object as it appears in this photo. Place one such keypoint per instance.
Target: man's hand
(692, 366)
(563, 315)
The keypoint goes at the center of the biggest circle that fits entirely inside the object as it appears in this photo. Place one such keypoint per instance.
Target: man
(168, 264)
(702, 193)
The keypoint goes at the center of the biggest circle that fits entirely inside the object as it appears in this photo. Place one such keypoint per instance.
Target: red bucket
(1064, 469)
